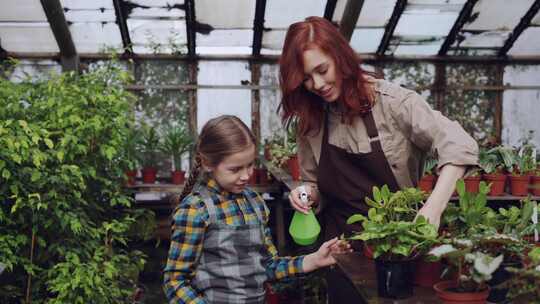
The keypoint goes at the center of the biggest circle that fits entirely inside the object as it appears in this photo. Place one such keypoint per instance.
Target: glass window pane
(161, 72)
(159, 3)
(107, 15)
(215, 102)
(153, 36)
(366, 40)
(163, 13)
(22, 10)
(218, 13)
(226, 38)
(27, 37)
(414, 76)
(484, 39)
(374, 13)
(85, 4)
(96, 37)
(281, 13)
(223, 73)
(272, 42)
(497, 14)
(528, 43)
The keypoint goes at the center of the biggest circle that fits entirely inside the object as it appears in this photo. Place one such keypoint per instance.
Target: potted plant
(284, 154)
(395, 237)
(535, 182)
(148, 146)
(495, 162)
(472, 181)
(426, 182)
(524, 167)
(523, 285)
(132, 156)
(472, 267)
(176, 142)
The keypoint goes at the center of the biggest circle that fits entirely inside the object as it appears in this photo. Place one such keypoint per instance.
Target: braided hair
(220, 137)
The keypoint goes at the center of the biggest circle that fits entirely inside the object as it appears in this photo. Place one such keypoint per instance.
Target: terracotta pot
(535, 185)
(452, 297)
(426, 183)
(178, 177)
(149, 175)
(427, 273)
(472, 184)
(519, 185)
(497, 181)
(131, 177)
(294, 167)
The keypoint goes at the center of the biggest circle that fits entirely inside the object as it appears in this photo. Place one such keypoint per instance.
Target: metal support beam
(55, 15)
(191, 27)
(121, 20)
(330, 9)
(498, 122)
(391, 26)
(350, 17)
(192, 98)
(256, 102)
(258, 27)
(522, 25)
(464, 15)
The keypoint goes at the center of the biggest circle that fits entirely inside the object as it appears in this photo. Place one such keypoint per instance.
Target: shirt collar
(214, 187)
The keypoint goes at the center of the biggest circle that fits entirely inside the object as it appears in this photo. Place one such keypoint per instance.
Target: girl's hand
(296, 201)
(323, 257)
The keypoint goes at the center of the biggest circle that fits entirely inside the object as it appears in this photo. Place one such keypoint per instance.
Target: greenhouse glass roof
(245, 28)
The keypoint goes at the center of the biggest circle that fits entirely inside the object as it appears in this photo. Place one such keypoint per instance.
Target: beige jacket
(408, 128)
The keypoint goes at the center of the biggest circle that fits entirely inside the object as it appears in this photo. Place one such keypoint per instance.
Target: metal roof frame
(121, 20)
(350, 17)
(464, 15)
(391, 26)
(522, 25)
(258, 27)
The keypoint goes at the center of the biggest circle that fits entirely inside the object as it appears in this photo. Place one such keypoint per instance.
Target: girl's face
(233, 173)
(320, 75)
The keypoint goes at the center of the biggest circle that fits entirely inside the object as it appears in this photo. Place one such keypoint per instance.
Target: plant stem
(29, 281)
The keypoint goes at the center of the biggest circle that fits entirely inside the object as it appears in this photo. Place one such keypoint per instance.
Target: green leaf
(6, 174)
(36, 175)
(356, 218)
(49, 143)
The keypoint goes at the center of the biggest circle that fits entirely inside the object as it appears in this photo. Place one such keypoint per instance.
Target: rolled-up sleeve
(429, 130)
(307, 161)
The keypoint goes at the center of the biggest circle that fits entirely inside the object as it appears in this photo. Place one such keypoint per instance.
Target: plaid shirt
(190, 223)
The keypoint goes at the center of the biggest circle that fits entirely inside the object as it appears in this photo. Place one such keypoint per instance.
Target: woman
(356, 132)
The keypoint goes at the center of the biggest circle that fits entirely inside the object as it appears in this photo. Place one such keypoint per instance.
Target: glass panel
(22, 10)
(484, 39)
(153, 36)
(27, 37)
(497, 14)
(520, 107)
(161, 72)
(271, 125)
(107, 15)
(475, 110)
(270, 75)
(366, 40)
(36, 70)
(226, 38)
(414, 21)
(96, 37)
(374, 13)
(234, 50)
(223, 73)
(159, 3)
(414, 76)
(528, 43)
(281, 13)
(536, 19)
(157, 12)
(218, 13)
(272, 41)
(418, 49)
(85, 4)
(215, 102)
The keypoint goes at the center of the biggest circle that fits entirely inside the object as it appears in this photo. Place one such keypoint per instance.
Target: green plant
(525, 160)
(281, 150)
(517, 221)
(496, 159)
(430, 164)
(465, 256)
(471, 213)
(523, 285)
(133, 156)
(149, 146)
(176, 142)
(390, 228)
(64, 214)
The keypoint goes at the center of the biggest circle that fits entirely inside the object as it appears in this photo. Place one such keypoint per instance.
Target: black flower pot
(395, 279)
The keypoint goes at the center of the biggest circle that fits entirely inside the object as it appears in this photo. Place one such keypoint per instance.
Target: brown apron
(344, 180)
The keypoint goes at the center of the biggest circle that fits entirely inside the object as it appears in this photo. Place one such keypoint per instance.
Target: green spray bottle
(304, 228)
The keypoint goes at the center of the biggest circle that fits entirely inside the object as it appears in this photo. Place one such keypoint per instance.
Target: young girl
(221, 248)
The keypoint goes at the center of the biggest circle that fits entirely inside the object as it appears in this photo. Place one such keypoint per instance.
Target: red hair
(297, 102)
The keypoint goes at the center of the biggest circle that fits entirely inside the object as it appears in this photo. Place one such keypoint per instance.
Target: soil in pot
(395, 278)
(447, 292)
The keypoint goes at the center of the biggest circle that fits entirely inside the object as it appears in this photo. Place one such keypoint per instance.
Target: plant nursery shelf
(505, 197)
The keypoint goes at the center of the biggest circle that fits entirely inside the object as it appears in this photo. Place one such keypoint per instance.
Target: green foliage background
(62, 158)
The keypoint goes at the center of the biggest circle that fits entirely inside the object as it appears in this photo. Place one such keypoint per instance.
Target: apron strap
(373, 134)
(209, 203)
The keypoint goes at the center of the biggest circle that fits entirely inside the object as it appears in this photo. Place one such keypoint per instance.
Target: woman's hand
(323, 257)
(296, 201)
